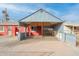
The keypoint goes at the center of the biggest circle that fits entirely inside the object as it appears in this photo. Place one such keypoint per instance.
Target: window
(1, 28)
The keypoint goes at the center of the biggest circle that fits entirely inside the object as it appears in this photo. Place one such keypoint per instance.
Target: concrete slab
(46, 46)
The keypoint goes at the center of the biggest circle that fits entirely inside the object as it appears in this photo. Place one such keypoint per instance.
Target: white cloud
(27, 8)
(16, 12)
(55, 12)
(9, 6)
(72, 15)
(15, 8)
(72, 18)
(24, 10)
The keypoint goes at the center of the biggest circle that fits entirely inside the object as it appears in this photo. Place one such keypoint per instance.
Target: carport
(41, 23)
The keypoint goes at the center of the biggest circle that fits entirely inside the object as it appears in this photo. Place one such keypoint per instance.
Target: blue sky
(66, 11)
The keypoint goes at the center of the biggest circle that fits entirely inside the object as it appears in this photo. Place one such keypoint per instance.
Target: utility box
(22, 36)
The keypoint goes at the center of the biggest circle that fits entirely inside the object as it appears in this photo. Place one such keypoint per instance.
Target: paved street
(46, 46)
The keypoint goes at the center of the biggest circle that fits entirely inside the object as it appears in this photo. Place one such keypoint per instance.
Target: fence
(68, 37)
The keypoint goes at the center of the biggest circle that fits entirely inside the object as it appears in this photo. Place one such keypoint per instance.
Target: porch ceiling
(42, 23)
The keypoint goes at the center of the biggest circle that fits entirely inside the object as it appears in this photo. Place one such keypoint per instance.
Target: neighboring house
(73, 29)
(8, 28)
(40, 23)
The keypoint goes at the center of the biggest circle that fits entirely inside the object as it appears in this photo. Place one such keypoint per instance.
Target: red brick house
(8, 29)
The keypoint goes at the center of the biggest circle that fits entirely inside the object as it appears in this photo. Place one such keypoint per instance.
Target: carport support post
(25, 33)
(73, 29)
(42, 30)
(19, 33)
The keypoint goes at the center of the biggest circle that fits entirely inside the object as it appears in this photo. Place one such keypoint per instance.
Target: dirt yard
(46, 46)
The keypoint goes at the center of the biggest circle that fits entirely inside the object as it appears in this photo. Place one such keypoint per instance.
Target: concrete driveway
(36, 47)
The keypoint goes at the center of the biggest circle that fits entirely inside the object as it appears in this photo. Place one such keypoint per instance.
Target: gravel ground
(46, 46)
